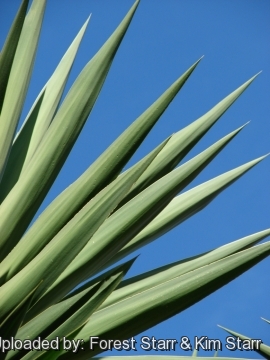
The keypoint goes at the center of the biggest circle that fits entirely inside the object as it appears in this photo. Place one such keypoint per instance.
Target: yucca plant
(106, 214)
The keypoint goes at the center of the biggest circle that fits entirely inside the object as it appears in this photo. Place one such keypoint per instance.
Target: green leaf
(64, 318)
(263, 350)
(56, 256)
(13, 321)
(148, 308)
(199, 162)
(182, 207)
(121, 227)
(25, 250)
(9, 49)
(39, 118)
(97, 279)
(19, 149)
(95, 178)
(154, 277)
(184, 140)
(19, 207)
(19, 79)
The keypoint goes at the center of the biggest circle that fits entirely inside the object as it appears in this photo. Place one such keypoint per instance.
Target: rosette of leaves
(103, 216)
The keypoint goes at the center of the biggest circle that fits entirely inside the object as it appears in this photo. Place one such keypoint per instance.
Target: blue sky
(164, 39)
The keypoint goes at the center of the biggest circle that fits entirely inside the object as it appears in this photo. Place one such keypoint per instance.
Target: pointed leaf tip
(241, 127)
(259, 159)
(263, 157)
(134, 6)
(87, 20)
(196, 63)
(254, 77)
(128, 264)
(246, 123)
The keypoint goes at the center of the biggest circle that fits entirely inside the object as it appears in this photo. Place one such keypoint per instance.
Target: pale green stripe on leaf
(155, 277)
(199, 162)
(25, 251)
(184, 206)
(124, 224)
(39, 118)
(184, 140)
(95, 178)
(186, 174)
(148, 308)
(19, 79)
(56, 256)
(19, 207)
(54, 91)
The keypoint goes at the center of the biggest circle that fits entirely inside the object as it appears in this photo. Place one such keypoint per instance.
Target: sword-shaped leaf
(9, 49)
(97, 279)
(263, 349)
(183, 141)
(19, 207)
(154, 277)
(30, 245)
(95, 178)
(56, 256)
(19, 79)
(25, 250)
(39, 118)
(121, 227)
(159, 225)
(64, 318)
(148, 308)
(181, 208)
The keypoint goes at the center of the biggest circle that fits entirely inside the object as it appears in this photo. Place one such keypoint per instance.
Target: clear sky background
(164, 39)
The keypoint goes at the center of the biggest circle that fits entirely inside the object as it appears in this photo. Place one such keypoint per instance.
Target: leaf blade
(142, 282)
(9, 49)
(58, 141)
(39, 118)
(180, 209)
(19, 79)
(144, 310)
(186, 139)
(100, 173)
(77, 312)
(53, 259)
(122, 226)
